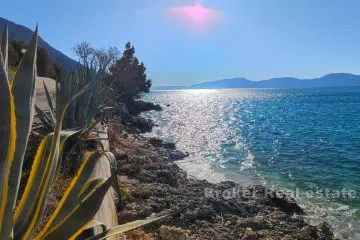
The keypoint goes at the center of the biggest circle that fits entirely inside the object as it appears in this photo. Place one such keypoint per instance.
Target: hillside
(329, 80)
(22, 33)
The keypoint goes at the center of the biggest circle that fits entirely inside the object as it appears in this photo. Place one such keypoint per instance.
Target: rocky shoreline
(199, 209)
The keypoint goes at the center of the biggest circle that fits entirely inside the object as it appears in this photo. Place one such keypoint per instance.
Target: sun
(195, 15)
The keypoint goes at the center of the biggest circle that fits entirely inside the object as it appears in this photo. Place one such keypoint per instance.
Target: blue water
(305, 139)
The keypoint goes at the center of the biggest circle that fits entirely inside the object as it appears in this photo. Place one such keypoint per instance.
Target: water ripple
(307, 139)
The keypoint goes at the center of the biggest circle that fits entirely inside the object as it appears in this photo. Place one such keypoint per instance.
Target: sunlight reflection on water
(201, 130)
(308, 139)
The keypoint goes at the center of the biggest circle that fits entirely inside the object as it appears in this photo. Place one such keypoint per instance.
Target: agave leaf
(90, 127)
(63, 141)
(125, 192)
(89, 186)
(28, 198)
(76, 221)
(75, 97)
(58, 102)
(4, 47)
(42, 174)
(69, 90)
(91, 224)
(71, 197)
(112, 160)
(7, 142)
(96, 223)
(50, 103)
(93, 101)
(23, 90)
(65, 93)
(120, 191)
(87, 189)
(27, 220)
(124, 228)
(85, 108)
(45, 120)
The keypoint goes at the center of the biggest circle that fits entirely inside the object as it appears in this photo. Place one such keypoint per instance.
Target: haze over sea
(291, 138)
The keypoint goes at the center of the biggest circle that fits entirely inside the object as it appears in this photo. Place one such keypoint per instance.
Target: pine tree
(128, 76)
(43, 63)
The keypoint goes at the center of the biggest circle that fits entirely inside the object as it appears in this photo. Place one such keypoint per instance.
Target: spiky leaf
(50, 103)
(72, 196)
(7, 141)
(4, 47)
(45, 120)
(124, 228)
(23, 90)
(42, 174)
(75, 221)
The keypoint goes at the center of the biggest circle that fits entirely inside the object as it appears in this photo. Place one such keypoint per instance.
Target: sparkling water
(300, 139)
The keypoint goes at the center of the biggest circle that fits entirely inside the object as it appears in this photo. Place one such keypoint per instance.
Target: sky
(183, 41)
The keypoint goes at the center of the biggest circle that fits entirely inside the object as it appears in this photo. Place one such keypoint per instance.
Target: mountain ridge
(328, 80)
(22, 33)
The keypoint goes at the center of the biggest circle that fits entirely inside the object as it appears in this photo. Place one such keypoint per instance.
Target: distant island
(329, 80)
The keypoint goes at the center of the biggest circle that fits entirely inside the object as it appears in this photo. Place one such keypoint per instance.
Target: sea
(302, 141)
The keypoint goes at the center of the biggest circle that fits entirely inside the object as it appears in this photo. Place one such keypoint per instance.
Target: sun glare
(195, 15)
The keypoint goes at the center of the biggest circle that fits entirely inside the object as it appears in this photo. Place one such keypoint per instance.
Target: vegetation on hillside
(125, 74)
(45, 66)
(128, 76)
(125, 80)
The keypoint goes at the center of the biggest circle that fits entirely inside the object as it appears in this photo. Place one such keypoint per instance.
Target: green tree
(128, 76)
(57, 71)
(145, 82)
(43, 63)
(19, 47)
(13, 56)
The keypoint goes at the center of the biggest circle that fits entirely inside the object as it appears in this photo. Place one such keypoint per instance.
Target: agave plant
(83, 109)
(83, 197)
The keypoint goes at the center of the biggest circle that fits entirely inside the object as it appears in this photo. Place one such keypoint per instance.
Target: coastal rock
(277, 199)
(177, 155)
(119, 154)
(140, 106)
(287, 237)
(325, 232)
(288, 205)
(160, 143)
(206, 209)
(310, 231)
(140, 125)
(202, 212)
(166, 176)
(173, 233)
(169, 145)
(159, 176)
(250, 235)
(135, 211)
(155, 141)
